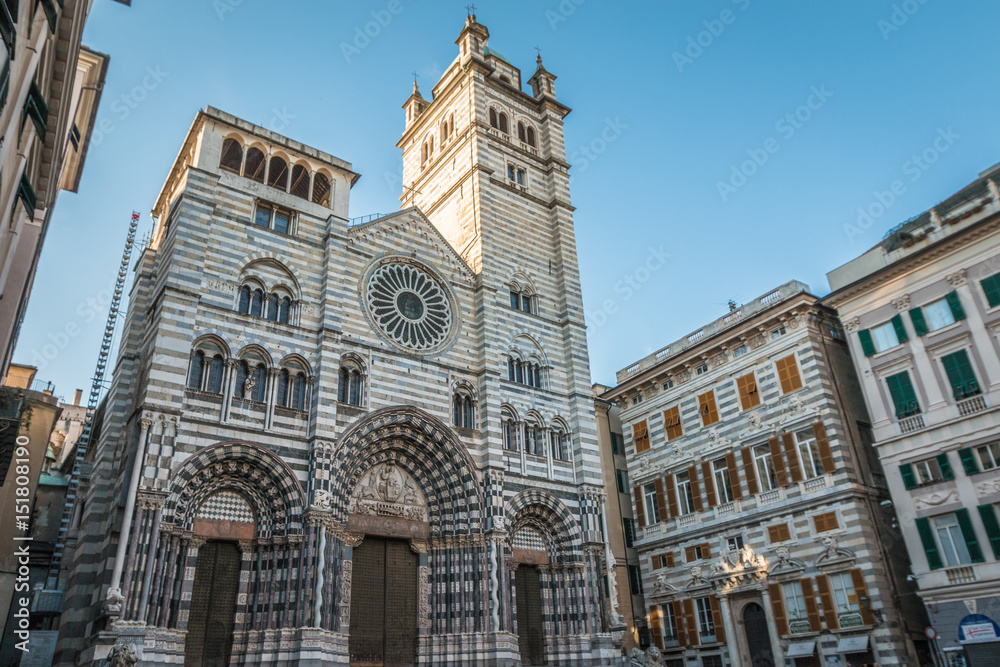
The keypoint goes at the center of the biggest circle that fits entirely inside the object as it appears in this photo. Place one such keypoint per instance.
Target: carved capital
(852, 325)
(902, 303)
(957, 279)
(145, 423)
(418, 546)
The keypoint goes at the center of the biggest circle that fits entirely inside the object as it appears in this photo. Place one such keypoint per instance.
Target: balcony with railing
(816, 483)
(972, 405)
(769, 497)
(965, 574)
(911, 424)
(687, 520)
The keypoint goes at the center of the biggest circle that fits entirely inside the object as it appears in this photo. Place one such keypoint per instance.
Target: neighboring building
(67, 431)
(30, 497)
(922, 311)
(757, 496)
(329, 443)
(624, 578)
(50, 88)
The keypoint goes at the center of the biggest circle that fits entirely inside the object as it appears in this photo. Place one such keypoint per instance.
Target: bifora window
(273, 217)
(516, 174)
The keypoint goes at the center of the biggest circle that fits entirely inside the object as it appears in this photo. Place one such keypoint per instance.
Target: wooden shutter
(695, 489)
(720, 631)
(661, 501)
(689, 554)
(747, 387)
(861, 589)
(812, 610)
(909, 479)
(654, 562)
(989, 517)
(691, 622)
(867, 344)
(672, 423)
(679, 622)
(788, 374)
(706, 550)
(826, 597)
(706, 474)
(919, 323)
(944, 464)
(655, 626)
(640, 436)
(929, 544)
(957, 311)
(960, 375)
(749, 471)
(971, 541)
(778, 607)
(968, 461)
(991, 288)
(823, 442)
(671, 491)
(825, 521)
(707, 409)
(899, 328)
(778, 532)
(794, 468)
(778, 462)
(734, 476)
(640, 511)
(669, 558)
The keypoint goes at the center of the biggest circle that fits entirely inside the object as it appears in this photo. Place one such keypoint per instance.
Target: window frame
(959, 547)
(795, 603)
(939, 306)
(723, 490)
(993, 449)
(811, 445)
(685, 501)
(706, 622)
(889, 330)
(758, 459)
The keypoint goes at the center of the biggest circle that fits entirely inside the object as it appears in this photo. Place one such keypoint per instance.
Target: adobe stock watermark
(123, 105)
(88, 310)
(280, 120)
(786, 127)
(566, 8)
(223, 7)
(899, 17)
(915, 167)
(364, 34)
(698, 43)
(626, 288)
(587, 154)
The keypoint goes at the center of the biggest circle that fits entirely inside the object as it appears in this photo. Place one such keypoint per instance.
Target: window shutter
(655, 627)
(720, 632)
(794, 469)
(909, 479)
(734, 476)
(826, 598)
(695, 489)
(691, 622)
(861, 589)
(991, 288)
(812, 610)
(672, 423)
(689, 554)
(778, 607)
(669, 558)
(946, 471)
(778, 462)
(640, 436)
(778, 532)
(679, 622)
(661, 501)
(640, 511)
(989, 517)
(930, 545)
(706, 474)
(918, 321)
(825, 453)
(654, 562)
(968, 461)
(707, 408)
(900, 328)
(957, 311)
(747, 386)
(969, 533)
(903, 396)
(788, 374)
(867, 344)
(671, 491)
(749, 471)
(706, 550)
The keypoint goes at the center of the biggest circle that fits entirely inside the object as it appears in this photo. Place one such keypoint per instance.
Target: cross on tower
(471, 9)
(415, 75)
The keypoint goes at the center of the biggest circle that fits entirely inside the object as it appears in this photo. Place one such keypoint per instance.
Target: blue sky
(727, 144)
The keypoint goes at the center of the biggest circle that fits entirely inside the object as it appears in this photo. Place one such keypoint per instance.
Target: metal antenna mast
(83, 442)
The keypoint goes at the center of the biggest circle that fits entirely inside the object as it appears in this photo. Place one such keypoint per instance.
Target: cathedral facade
(366, 442)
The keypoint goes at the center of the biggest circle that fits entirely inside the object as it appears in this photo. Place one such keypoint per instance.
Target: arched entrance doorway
(528, 589)
(213, 605)
(757, 636)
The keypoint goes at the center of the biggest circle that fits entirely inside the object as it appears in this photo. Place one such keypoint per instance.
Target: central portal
(383, 604)
(529, 615)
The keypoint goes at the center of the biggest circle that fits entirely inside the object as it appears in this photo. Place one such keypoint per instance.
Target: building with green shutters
(922, 312)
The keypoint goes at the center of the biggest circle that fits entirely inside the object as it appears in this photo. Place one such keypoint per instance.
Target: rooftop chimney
(76, 396)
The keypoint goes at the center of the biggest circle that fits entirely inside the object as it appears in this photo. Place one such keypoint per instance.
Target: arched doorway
(528, 590)
(384, 604)
(757, 635)
(213, 605)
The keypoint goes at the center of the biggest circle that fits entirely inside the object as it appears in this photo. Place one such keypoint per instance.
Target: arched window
(503, 124)
(284, 310)
(423, 154)
(464, 409)
(244, 303)
(321, 190)
(505, 78)
(519, 373)
(298, 397)
(281, 396)
(272, 307)
(205, 373)
(291, 386)
(560, 443)
(533, 438)
(277, 173)
(531, 137)
(494, 122)
(232, 156)
(300, 182)
(253, 168)
(430, 143)
(257, 302)
(444, 132)
(242, 373)
(349, 388)
(521, 133)
(451, 125)
(511, 366)
(259, 383)
(508, 426)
